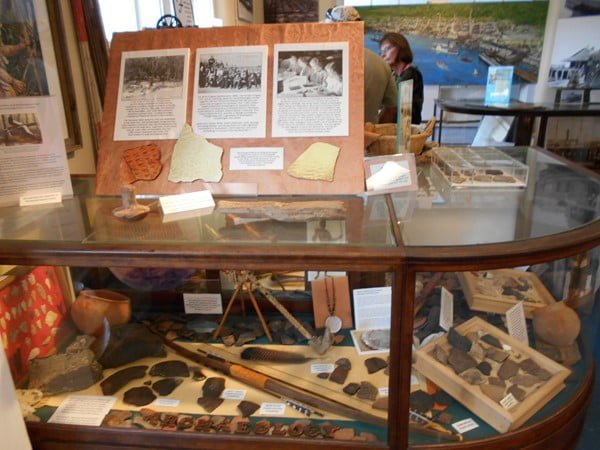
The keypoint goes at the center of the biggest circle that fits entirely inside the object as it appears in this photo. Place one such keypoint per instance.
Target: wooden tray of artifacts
(496, 291)
(516, 383)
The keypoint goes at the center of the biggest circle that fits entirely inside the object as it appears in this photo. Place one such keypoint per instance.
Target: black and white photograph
(159, 76)
(230, 92)
(310, 73)
(575, 60)
(310, 89)
(230, 71)
(19, 129)
(152, 98)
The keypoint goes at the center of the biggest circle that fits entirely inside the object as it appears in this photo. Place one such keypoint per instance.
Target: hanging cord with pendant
(333, 322)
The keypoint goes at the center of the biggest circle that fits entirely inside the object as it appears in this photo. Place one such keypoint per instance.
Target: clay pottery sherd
(92, 306)
(556, 324)
(421, 401)
(213, 387)
(209, 403)
(367, 391)
(339, 374)
(129, 343)
(375, 364)
(351, 388)
(460, 360)
(508, 369)
(120, 378)
(457, 340)
(165, 386)
(247, 408)
(381, 403)
(139, 396)
(489, 339)
(173, 368)
(517, 392)
(493, 391)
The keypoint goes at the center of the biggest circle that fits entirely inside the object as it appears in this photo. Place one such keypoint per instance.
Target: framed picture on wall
(245, 10)
(35, 61)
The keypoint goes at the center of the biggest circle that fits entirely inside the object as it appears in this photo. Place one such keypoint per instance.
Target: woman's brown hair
(398, 40)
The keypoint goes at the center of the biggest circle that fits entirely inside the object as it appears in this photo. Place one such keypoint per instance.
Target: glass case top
(557, 197)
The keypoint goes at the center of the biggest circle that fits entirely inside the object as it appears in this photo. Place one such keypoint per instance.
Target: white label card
(446, 309)
(40, 198)
(384, 391)
(462, 426)
(509, 401)
(83, 410)
(202, 303)
(321, 368)
(256, 158)
(272, 409)
(233, 394)
(186, 202)
(171, 402)
(515, 322)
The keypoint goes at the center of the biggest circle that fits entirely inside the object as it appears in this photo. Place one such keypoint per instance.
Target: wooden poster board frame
(348, 177)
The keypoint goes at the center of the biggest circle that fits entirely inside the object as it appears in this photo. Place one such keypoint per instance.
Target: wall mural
(454, 44)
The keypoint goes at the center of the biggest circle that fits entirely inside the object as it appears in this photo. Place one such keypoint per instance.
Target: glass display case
(424, 319)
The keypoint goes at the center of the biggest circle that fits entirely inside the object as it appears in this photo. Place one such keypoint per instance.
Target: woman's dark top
(412, 73)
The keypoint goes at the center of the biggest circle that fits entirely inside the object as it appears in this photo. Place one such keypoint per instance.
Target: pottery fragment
(525, 380)
(351, 388)
(458, 341)
(367, 391)
(460, 360)
(139, 396)
(120, 378)
(495, 354)
(517, 392)
(484, 367)
(339, 374)
(173, 368)
(165, 386)
(508, 369)
(375, 364)
(247, 408)
(494, 392)
(472, 376)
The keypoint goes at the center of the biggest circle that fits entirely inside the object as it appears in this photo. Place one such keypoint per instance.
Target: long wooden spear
(272, 385)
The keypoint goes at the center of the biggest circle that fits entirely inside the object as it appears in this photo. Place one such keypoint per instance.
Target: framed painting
(35, 60)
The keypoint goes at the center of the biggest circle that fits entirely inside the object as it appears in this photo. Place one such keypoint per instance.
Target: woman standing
(395, 50)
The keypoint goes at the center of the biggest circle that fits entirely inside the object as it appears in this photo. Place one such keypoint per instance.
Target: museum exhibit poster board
(32, 152)
(251, 110)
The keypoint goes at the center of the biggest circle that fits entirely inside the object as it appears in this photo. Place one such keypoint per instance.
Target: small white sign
(462, 426)
(384, 391)
(233, 394)
(190, 201)
(414, 381)
(170, 402)
(321, 368)
(509, 401)
(83, 410)
(40, 198)
(515, 322)
(272, 409)
(446, 309)
(372, 308)
(256, 158)
(202, 303)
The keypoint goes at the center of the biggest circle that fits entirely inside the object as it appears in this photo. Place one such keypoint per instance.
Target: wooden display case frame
(500, 418)
(499, 303)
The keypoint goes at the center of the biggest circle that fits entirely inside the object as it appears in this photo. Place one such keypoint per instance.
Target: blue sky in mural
(454, 42)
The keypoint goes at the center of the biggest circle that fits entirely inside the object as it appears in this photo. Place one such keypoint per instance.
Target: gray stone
(484, 367)
(495, 354)
(489, 339)
(472, 376)
(517, 392)
(492, 391)
(525, 380)
(458, 341)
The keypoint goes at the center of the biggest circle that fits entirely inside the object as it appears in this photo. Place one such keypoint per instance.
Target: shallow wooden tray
(471, 396)
(479, 300)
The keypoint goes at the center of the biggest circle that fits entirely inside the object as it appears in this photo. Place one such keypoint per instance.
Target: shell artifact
(376, 339)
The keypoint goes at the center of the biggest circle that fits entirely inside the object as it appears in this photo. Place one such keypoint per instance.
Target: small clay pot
(92, 306)
(556, 324)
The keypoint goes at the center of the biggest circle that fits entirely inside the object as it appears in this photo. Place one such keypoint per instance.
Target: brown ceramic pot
(92, 306)
(556, 324)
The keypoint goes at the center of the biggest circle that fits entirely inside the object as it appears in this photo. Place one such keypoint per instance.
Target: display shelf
(545, 225)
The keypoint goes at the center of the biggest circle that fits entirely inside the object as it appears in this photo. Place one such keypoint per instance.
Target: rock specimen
(129, 343)
(64, 372)
(120, 378)
(494, 392)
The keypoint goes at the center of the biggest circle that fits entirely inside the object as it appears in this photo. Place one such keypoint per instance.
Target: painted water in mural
(454, 44)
